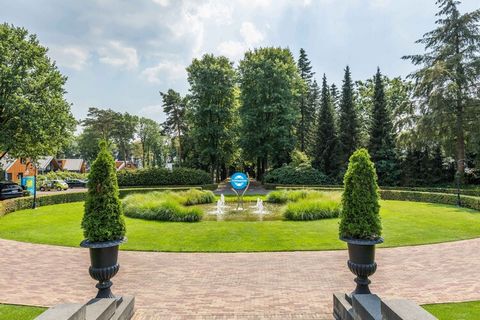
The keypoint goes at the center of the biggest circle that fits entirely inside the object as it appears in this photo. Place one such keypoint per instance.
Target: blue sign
(29, 183)
(239, 180)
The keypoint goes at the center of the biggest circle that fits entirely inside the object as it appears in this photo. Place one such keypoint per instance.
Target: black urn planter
(361, 261)
(104, 264)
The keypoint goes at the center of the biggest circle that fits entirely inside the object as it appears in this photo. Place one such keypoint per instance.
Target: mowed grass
(16, 312)
(455, 311)
(405, 223)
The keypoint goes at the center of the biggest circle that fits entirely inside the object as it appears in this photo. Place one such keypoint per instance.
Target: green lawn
(15, 312)
(405, 223)
(455, 311)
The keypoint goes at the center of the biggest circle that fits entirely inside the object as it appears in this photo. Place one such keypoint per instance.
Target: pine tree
(327, 144)
(314, 101)
(348, 122)
(306, 108)
(449, 71)
(382, 139)
(335, 96)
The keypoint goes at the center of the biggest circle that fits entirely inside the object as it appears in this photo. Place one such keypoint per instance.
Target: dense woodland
(273, 111)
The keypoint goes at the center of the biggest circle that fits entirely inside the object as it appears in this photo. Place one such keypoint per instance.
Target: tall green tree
(307, 111)
(270, 85)
(326, 155)
(101, 121)
(382, 139)
(447, 81)
(35, 118)
(149, 134)
(124, 130)
(314, 100)
(175, 125)
(212, 86)
(348, 121)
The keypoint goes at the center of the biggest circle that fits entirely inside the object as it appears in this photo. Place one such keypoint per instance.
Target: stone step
(101, 309)
(125, 309)
(68, 311)
(342, 309)
(399, 309)
(366, 306)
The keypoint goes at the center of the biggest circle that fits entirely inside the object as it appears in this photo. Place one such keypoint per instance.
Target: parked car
(76, 183)
(58, 185)
(10, 190)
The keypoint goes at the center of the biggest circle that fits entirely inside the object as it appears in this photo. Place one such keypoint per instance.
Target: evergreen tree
(103, 217)
(335, 96)
(327, 144)
(348, 122)
(306, 107)
(382, 139)
(446, 80)
(314, 100)
(360, 218)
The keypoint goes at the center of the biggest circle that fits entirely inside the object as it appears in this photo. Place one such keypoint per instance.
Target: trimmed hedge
(443, 198)
(163, 177)
(296, 176)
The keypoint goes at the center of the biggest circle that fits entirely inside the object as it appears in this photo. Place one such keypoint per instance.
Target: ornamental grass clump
(103, 219)
(360, 217)
(312, 209)
(284, 196)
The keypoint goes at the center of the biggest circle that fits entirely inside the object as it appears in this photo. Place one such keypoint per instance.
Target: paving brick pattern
(275, 285)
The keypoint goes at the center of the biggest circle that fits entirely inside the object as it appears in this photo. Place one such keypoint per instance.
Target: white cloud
(70, 56)
(232, 49)
(163, 3)
(118, 55)
(250, 34)
(168, 70)
(255, 3)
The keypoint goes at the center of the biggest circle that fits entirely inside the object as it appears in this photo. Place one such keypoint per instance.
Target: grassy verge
(16, 312)
(455, 311)
(405, 223)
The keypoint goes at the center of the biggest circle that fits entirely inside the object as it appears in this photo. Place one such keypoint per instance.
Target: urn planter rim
(102, 244)
(362, 242)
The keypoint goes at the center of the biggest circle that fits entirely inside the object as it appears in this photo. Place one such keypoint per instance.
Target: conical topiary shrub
(360, 217)
(103, 219)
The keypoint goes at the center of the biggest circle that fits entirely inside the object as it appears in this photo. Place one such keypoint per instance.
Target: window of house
(23, 160)
(9, 176)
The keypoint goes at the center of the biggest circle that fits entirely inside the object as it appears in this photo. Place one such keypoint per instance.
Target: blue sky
(120, 54)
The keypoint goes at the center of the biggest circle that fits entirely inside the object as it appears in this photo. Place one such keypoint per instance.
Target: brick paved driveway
(277, 285)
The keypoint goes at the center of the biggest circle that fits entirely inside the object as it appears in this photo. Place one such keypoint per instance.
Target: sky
(120, 54)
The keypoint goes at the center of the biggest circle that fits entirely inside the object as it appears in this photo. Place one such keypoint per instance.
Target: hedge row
(163, 177)
(11, 205)
(443, 198)
(300, 175)
(466, 192)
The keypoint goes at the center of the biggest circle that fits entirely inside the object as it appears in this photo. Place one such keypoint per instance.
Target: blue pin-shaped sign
(239, 180)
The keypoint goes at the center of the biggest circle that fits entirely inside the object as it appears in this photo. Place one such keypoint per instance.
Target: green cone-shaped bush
(103, 219)
(360, 209)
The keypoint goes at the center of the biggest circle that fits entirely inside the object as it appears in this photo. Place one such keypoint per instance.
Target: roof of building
(72, 164)
(6, 162)
(43, 162)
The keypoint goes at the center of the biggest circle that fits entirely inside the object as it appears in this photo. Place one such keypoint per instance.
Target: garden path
(273, 285)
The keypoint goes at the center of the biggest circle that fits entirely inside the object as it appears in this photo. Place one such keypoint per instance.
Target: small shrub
(302, 175)
(312, 209)
(103, 219)
(360, 217)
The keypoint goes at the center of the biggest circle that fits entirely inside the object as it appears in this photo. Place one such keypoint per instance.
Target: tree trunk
(460, 143)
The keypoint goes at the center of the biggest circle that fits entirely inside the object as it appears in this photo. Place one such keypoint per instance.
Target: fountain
(222, 199)
(259, 206)
(220, 207)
